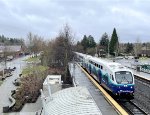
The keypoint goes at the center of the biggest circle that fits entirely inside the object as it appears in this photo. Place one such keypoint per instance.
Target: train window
(123, 77)
(101, 67)
(112, 77)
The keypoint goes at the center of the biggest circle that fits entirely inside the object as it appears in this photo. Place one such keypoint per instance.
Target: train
(113, 76)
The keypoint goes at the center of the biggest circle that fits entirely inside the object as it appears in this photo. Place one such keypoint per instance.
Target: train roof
(113, 66)
(109, 64)
(99, 60)
(83, 55)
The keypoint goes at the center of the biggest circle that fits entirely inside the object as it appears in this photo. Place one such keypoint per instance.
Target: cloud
(46, 18)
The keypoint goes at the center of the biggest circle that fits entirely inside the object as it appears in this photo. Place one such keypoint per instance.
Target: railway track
(132, 108)
(142, 80)
(140, 103)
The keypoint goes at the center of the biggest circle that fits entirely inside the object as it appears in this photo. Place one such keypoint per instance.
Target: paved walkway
(28, 109)
(7, 85)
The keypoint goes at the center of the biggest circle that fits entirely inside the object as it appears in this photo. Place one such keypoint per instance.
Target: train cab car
(79, 58)
(123, 81)
(112, 76)
(82, 59)
(86, 60)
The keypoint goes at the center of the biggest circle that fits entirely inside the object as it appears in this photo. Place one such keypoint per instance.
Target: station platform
(82, 80)
(132, 65)
(133, 68)
(141, 74)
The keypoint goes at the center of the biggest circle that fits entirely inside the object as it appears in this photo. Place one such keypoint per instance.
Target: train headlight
(131, 87)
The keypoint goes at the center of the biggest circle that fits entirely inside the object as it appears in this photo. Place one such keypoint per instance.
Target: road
(7, 85)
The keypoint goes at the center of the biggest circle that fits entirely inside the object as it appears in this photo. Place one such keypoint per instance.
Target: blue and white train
(111, 75)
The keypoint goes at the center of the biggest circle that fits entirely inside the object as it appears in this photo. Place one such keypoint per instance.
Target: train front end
(124, 83)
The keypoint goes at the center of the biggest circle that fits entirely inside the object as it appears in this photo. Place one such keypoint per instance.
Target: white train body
(111, 75)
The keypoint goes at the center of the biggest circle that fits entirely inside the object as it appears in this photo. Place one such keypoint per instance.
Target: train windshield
(124, 77)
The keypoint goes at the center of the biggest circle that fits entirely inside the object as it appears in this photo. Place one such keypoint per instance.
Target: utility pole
(108, 47)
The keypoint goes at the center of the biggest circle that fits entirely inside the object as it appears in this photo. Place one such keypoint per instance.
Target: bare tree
(47, 57)
(60, 49)
(137, 47)
(6, 52)
(36, 43)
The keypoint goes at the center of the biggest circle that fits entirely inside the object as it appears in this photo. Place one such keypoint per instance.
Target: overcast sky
(91, 17)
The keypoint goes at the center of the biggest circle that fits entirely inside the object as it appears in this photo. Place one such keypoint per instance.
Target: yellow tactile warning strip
(117, 107)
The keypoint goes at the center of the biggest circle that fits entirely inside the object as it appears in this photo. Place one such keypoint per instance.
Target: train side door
(100, 76)
(106, 78)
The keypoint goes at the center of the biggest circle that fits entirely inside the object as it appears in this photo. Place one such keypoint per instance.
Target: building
(69, 101)
(16, 50)
(102, 52)
(144, 53)
(54, 82)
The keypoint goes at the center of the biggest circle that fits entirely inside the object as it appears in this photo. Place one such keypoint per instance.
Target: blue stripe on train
(106, 82)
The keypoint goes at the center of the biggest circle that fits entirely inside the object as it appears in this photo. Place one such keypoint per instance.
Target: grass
(32, 59)
(144, 58)
(30, 70)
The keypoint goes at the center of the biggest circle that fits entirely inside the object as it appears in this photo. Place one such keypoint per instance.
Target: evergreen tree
(3, 39)
(84, 43)
(11, 41)
(79, 47)
(87, 43)
(129, 48)
(91, 42)
(114, 43)
(104, 41)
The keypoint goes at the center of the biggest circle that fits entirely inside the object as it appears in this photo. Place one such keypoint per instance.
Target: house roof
(145, 52)
(15, 48)
(72, 101)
